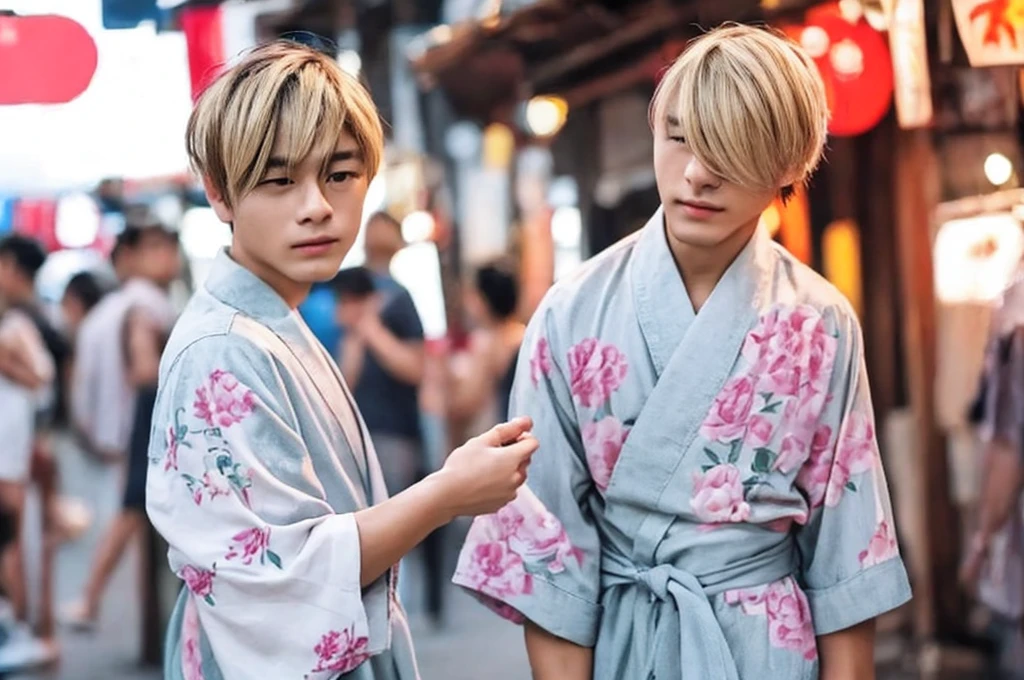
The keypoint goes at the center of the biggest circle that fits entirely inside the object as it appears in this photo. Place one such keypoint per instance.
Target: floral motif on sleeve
(881, 548)
(251, 544)
(223, 401)
(828, 473)
(789, 615)
(596, 370)
(718, 495)
(340, 651)
(603, 440)
(199, 581)
(508, 549)
(540, 362)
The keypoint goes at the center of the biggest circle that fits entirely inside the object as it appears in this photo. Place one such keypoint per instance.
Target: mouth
(700, 205)
(321, 242)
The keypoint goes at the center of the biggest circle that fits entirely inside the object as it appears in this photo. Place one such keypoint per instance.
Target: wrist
(439, 492)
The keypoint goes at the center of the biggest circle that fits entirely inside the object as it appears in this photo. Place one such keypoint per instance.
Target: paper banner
(991, 31)
(913, 85)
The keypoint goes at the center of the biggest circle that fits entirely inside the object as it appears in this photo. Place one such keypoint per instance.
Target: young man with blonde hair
(708, 499)
(262, 477)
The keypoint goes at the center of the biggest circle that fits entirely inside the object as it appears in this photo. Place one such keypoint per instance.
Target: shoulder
(813, 293)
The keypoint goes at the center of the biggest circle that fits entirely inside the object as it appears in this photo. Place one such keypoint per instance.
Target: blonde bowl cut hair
(750, 104)
(278, 92)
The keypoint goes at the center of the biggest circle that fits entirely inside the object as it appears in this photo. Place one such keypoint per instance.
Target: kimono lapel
(663, 306)
(243, 290)
(694, 375)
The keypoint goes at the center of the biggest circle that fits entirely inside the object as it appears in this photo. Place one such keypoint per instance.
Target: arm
(23, 356)
(468, 388)
(143, 349)
(848, 654)
(353, 355)
(403, 359)
(552, 658)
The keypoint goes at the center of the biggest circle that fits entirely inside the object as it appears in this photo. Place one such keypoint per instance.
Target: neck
(702, 267)
(292, 292)
(21, 295)
(379, 265)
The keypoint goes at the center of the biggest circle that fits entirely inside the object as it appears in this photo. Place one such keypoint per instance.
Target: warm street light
(545, 115)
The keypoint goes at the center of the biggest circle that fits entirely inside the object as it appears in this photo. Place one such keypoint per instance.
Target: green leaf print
(851, 486)
(274, 559)
(705, 468)
(767, 396)
(772, 408)
(209, 600)
(734, 452)
(763, 460)
(751, 481)
(713, 456)
(224, 463)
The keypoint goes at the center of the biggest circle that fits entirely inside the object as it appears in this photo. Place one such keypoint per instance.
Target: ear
(217, 202)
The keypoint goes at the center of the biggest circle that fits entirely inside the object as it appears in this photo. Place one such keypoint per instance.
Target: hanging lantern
(855, 66)
(44, 59)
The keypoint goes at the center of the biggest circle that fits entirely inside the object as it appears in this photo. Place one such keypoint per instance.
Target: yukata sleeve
(850, 562)
(274, 573)
(1006, 406)
(538, 558)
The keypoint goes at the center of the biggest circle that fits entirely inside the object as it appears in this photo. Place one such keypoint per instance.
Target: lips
(700, 205)
(313, 243)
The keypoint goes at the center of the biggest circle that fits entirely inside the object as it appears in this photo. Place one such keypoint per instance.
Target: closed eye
(678, 140)
(276, 181)
(340, 176)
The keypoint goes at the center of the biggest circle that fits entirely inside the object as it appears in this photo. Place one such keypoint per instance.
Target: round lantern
(44, 59)
(856, 67)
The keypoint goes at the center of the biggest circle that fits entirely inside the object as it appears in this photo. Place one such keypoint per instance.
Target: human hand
(484, 474)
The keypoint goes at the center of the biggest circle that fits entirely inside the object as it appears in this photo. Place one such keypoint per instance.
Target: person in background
(383, 241)
(81, 294)
(26, 413)
(119, 345)
(485, 377)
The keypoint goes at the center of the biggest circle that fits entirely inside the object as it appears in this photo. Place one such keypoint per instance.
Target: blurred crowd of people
(86, 369)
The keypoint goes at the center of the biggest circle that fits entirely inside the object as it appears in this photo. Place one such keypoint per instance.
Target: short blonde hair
(750, 104)
(279, 90)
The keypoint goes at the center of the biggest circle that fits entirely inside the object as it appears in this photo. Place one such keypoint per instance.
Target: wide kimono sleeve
(850, 563)
(538, 558)
(273, 571)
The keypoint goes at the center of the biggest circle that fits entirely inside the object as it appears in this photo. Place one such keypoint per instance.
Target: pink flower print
(603, 442)
(751, 600)
(215, 485)
(536, 535)
(760, 430)
(253, 543)
(730, 411)
(191, 652)
(792, 454)
(171, 458)
(855, 455)
(718, 496)
(223, 401)
(789, 619)
(803, 413)
(199, 581)
(341, 652)
(790, 349)
(813, 477)
(596, 370)
(505, 611)
(493, 569)
(540, 362)
(881, 548)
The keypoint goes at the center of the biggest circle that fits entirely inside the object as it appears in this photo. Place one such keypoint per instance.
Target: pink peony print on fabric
(787, 611)
(760, 430)
(199, 581)
(790, 350)
(789, 619)
(596, 370)
(540, 362)
(814, 475)
(191, 653)
(718, 495)
(855, 455)
(223, 401)
(497, 571)
(792, 454)
(340, 651)
(730, 412)
(251, 544)
(881, 548)
(171, 457)
(603, 442)
(505, 551)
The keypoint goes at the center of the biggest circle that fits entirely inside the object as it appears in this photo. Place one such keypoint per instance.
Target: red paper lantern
(204, 36)
(44, 59)
(855, 65)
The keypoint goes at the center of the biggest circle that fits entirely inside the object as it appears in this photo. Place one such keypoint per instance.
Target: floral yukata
(258, 460)
(708, 495)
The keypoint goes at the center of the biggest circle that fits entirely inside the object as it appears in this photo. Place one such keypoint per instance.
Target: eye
(678, 140)
(340, 176)
(276, 181)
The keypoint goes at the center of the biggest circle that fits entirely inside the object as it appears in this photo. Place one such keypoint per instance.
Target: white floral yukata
(258, 460)
(708, 496)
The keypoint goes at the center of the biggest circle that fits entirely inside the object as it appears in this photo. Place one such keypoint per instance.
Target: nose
(699, 177)
(315, 206)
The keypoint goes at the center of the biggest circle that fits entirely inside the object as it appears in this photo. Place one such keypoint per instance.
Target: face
(296, 226)
(73, 312)
(157, 258)
(350, 310)
(701, 209)
(383, 240)
(9, 277)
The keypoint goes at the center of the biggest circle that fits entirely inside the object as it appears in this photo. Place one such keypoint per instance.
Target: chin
(317, 271)
(698, 235)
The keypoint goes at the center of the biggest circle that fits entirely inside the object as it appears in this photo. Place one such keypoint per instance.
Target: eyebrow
(672, 120)
(336, 157)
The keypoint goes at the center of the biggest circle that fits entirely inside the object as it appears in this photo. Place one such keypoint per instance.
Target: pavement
(471, 644)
